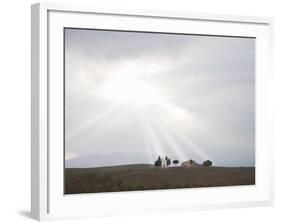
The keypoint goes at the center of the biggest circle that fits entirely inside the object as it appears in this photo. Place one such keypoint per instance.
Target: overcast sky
(131, 96)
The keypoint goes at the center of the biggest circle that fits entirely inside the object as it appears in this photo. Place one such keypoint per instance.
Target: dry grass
(147, 177)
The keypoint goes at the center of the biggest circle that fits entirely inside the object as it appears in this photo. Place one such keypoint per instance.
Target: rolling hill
(148, 177)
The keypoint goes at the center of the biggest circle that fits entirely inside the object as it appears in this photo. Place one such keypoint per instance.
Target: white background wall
(15, 110)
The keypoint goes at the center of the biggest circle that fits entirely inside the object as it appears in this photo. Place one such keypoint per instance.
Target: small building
(163, 162)
(190, 163)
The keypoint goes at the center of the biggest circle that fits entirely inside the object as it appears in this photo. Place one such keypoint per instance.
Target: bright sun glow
(133, 91)
(130, 90)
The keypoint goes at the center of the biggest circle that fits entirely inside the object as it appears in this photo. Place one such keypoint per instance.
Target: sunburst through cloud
(138, 102)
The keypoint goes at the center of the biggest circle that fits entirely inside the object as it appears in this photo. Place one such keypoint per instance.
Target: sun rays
(103, 115)
(158, 118)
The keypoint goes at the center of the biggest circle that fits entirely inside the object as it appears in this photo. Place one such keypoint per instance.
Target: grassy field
(148, 177)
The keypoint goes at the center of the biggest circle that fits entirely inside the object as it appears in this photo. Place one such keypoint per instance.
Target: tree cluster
(158, 162)
(207, 163)
(168, 161)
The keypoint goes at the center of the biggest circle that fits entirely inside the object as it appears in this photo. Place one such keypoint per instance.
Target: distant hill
(99, 160)
(148, 177)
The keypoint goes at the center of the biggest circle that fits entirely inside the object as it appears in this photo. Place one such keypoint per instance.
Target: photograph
(156, 111)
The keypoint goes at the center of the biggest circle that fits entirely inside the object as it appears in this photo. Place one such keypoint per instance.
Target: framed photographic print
(139, 111)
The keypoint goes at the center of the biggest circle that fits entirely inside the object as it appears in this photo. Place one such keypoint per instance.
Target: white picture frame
(47, 198)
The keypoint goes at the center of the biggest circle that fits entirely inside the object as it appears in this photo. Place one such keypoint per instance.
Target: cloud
(210, 78)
